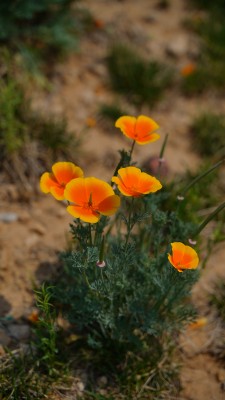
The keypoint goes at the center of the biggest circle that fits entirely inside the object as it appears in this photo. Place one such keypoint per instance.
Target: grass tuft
(142, 81)
(208, 132)
(30, 142)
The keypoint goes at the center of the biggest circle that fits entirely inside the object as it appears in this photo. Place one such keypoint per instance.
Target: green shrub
(196, 82)
(111, 112)
(140, 80)
(126, 301)
(126, 296)
(210, 5)
(43, 23)
(208, 132)
(217, 300)
(12, 125)
(41, 31)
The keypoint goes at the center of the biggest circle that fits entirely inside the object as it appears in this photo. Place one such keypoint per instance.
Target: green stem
(199, 177)
(162, 153)
(209, 218)
(102, 250)
(90, 236)
(129, 226)
(132, 148)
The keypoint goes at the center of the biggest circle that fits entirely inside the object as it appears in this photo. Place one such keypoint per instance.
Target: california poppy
(55, 182)
(183, 257)
(141, 129)
(132, 182)
(91, 197)
(188, 69)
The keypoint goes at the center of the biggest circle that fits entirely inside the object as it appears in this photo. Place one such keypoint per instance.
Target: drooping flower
(199, 323)
(183, 257)
(55, 182)
(132, 182)
(91, 197)
(141, 129)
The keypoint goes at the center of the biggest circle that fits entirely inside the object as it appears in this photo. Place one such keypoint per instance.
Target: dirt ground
(38, 229)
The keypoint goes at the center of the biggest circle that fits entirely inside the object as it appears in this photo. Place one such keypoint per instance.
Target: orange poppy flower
(55, 182)
(198, 323)
(183, 257)
(141, 129)
(188, 69)
(132, 182)
(91, 197)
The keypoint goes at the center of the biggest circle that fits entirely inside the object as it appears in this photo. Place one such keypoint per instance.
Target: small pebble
(8, 217)
(19, 332)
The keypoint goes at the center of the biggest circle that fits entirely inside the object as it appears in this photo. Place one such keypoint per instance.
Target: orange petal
(178, 250)
(190, 258)
(141, 129)
(198, 323)
(148, 139)
(75, 191)
(57, 192)
(183, 257)
(129, 176)
(132, 182)
(47, 180)
(98, 189)
(109, 205)
(66, 171)
(84, 213)
(127, 125)
(145, 127)
(148, 184)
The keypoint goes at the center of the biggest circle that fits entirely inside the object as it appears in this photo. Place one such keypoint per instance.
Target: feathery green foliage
(137, 296)
(29, 374)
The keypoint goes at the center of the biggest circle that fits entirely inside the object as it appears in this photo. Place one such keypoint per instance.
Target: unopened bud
(101, 264)
(180, 198)
(193, 242)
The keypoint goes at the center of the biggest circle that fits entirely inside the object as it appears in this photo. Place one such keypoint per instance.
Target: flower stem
(209, 218)
(162, 153)
(90, 236)
(199, 177)
(129, 225)
(132, 148)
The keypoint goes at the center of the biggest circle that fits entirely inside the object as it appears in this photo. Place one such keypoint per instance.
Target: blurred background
(68, 70)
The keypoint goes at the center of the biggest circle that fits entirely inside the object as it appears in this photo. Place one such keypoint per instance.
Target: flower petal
(178, 250)
(109, 205)
(141, 129)
(132, 182)
(84, 213)
(127, 125)
(183, 257)
(98, 189)
(152, 137)
(47, 181)
(57, 192)
(75, 191)
(66, 171)
(145, 126)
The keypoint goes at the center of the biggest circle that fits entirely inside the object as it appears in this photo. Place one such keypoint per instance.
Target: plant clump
(208, 130)
(127, 279)
(140, 80)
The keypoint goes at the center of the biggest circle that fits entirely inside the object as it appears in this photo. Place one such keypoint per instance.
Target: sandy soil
(30, 243)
